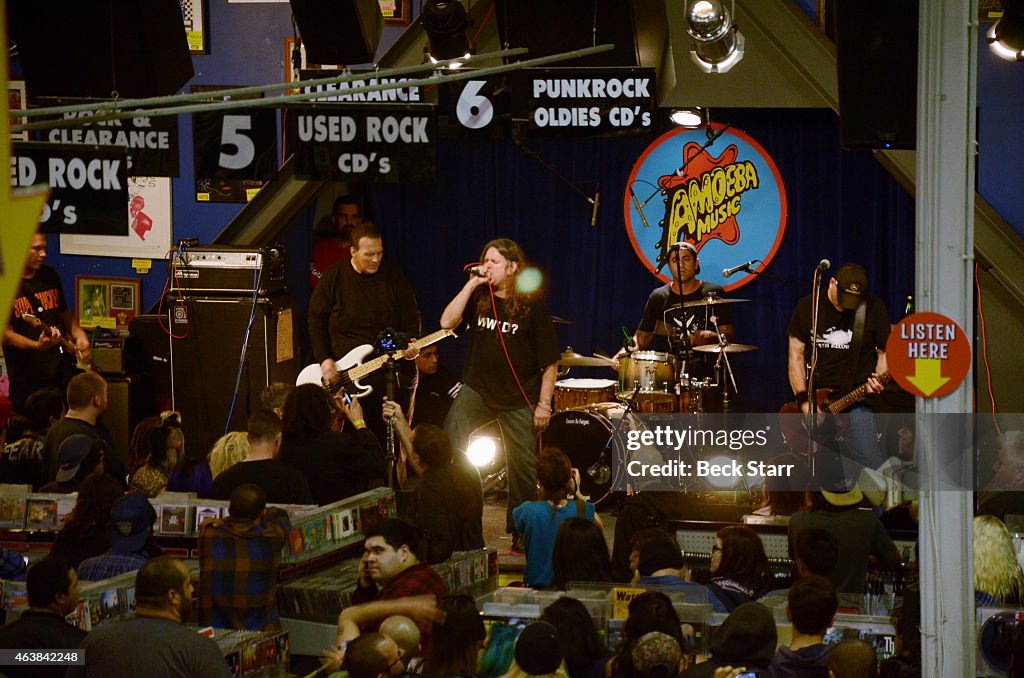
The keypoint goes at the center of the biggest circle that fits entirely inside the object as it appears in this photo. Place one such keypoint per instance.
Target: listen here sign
(928, 354)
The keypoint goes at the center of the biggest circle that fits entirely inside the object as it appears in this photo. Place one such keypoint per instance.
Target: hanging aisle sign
(585, 101)
(728, 201)
(88, 186)
(359, 142)
(152, 143)
(398, 94)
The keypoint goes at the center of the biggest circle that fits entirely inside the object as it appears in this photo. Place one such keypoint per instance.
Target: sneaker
(517, 544)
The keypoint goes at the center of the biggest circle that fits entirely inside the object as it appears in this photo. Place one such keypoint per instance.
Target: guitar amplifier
(227, 270)
(116, 355)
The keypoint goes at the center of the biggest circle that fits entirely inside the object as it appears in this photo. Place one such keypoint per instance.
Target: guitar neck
(853, 396)
(360, 371)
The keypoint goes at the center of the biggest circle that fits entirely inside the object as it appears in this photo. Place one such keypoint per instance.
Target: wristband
(358, 422)
(800, 397)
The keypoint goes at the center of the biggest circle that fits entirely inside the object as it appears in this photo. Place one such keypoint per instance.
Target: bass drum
(583, 434)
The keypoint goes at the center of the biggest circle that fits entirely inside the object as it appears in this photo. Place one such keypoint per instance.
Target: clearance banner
(728, 200)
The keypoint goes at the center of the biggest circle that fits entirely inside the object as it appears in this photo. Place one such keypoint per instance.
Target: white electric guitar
(352, 368)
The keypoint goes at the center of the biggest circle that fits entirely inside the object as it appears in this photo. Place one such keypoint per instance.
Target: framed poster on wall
(110, 303)
(149, 225)
(396, 12)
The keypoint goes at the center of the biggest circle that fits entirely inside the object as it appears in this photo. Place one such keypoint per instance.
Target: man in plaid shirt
(238, 560)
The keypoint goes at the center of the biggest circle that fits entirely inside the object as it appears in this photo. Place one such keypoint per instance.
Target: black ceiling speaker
(339, 32)
(93, 48)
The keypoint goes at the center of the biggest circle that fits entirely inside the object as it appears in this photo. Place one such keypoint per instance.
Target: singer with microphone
(852, 329)
(510, 368)
(665, 314)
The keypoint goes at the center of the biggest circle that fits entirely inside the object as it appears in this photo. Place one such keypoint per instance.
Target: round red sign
(928, 354)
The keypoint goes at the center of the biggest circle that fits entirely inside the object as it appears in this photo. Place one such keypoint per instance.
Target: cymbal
(728, 348)
(560, 321)
(572, 359)
(712, 301)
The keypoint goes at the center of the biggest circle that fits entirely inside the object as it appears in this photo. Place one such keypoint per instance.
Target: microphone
(742, 267)
(477, 271)
(639, 207)
(824, 265)
(597, 203)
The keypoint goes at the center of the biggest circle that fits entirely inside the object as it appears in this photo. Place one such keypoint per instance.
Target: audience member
(435, 390)
(337, 464)
(661, 564)
(899, 667)
(6, 418)
(859, 534)
(337, 245)
(456, 641)
(815, 551)
(164, 445)
(785, 495)
(52, 595)
(155, 641)
(584, 654)
(21, 461)
(137, 452)
(282, 483)
(739, 567)
(997, 574)
(274, 395)
(538, 652)
(191, 473)
(811, 610)
(580, 554)
(405, 633)
(87, 400)
(392, 580)
(538, 521)
(656, 655)
(86, 532)
(637, 541)
(449, 498)
(12, 565)
(499, 652)
(238, 561)
(228, 451)
(747, 638)
(373, 655)
(853, 658)
(1003, 494)
(648, 612)
(78, 457)
(131, 527)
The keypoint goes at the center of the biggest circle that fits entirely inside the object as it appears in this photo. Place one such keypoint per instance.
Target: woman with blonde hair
(228, 451)
(997, 574)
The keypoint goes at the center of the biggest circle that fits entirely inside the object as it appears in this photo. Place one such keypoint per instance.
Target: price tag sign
(235, 152)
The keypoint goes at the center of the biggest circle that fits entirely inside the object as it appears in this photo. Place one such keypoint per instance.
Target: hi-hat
(728, 348)
(572, 359)
(712, 301)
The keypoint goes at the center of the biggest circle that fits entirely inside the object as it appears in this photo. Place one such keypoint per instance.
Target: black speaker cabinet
(339, 31)
(205, 360)
(128, 404)
(90, 48)
(876, 44)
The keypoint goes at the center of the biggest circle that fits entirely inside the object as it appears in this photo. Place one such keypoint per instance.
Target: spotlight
(445, 23)
(690, 118)
(529, 280)
(1006, 36)
(482, 450)
(723, 482)
(717, 44)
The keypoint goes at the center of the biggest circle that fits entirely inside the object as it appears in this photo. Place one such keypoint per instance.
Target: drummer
(664, 314)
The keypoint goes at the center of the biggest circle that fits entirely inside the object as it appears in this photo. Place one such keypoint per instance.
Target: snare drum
(649, 370)
(572, 393)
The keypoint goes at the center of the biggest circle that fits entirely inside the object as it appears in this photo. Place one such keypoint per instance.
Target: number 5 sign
(235, 153)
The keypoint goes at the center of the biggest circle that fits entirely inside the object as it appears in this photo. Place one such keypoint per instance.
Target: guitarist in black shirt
(37, 354)
(852, 329)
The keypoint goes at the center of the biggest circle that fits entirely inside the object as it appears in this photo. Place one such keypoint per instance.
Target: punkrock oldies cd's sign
(727, 200)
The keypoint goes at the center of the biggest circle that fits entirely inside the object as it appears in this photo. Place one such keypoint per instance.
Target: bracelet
(358, 422)
(801, 397)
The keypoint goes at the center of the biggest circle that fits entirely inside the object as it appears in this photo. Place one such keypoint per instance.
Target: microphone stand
(391, 372)
(630, 404)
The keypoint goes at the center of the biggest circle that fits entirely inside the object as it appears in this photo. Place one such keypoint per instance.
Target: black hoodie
(747, 638)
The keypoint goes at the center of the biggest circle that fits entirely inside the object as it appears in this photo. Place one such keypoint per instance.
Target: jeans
(469, 412)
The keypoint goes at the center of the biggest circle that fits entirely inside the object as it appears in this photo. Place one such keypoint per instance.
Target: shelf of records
(324, 530)
(320, 597)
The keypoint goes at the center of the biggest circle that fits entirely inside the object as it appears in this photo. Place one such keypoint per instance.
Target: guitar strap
(859, 318)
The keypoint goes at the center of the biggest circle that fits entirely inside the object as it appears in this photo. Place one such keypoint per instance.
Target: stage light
(690, 118)
(445, 23)
(723, 482)
(717, 44)
(1006, 36)
(482, 450)
(529, 280)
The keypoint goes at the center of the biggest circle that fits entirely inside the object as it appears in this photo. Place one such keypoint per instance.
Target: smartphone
(347, 398)
(750, 674)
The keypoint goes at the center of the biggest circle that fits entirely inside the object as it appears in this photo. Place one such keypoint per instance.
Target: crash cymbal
(713, 301)
(560, 321)
(729, 348)
(572, 359)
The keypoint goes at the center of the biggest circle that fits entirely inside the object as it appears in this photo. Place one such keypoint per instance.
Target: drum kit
(590, 413)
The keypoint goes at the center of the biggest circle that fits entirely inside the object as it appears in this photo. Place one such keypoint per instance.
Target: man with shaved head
(244, 547)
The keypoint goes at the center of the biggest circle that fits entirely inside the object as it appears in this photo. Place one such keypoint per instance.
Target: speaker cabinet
(128, 404)
(876, 44)
(73, 48)
(205, 361)
(339, 31)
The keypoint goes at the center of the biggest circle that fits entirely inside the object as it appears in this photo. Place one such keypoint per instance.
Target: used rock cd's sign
(88, 186)
(728, 201)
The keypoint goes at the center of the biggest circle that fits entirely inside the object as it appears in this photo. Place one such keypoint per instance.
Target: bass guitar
(352, 368)
(65, 344)
(794, 428)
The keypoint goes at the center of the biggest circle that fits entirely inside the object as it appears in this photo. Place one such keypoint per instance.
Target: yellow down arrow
(927, 375)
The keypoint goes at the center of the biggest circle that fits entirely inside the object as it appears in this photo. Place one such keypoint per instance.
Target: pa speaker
(341, 32)
(207, 357)
(876, 43)
(71, 48)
